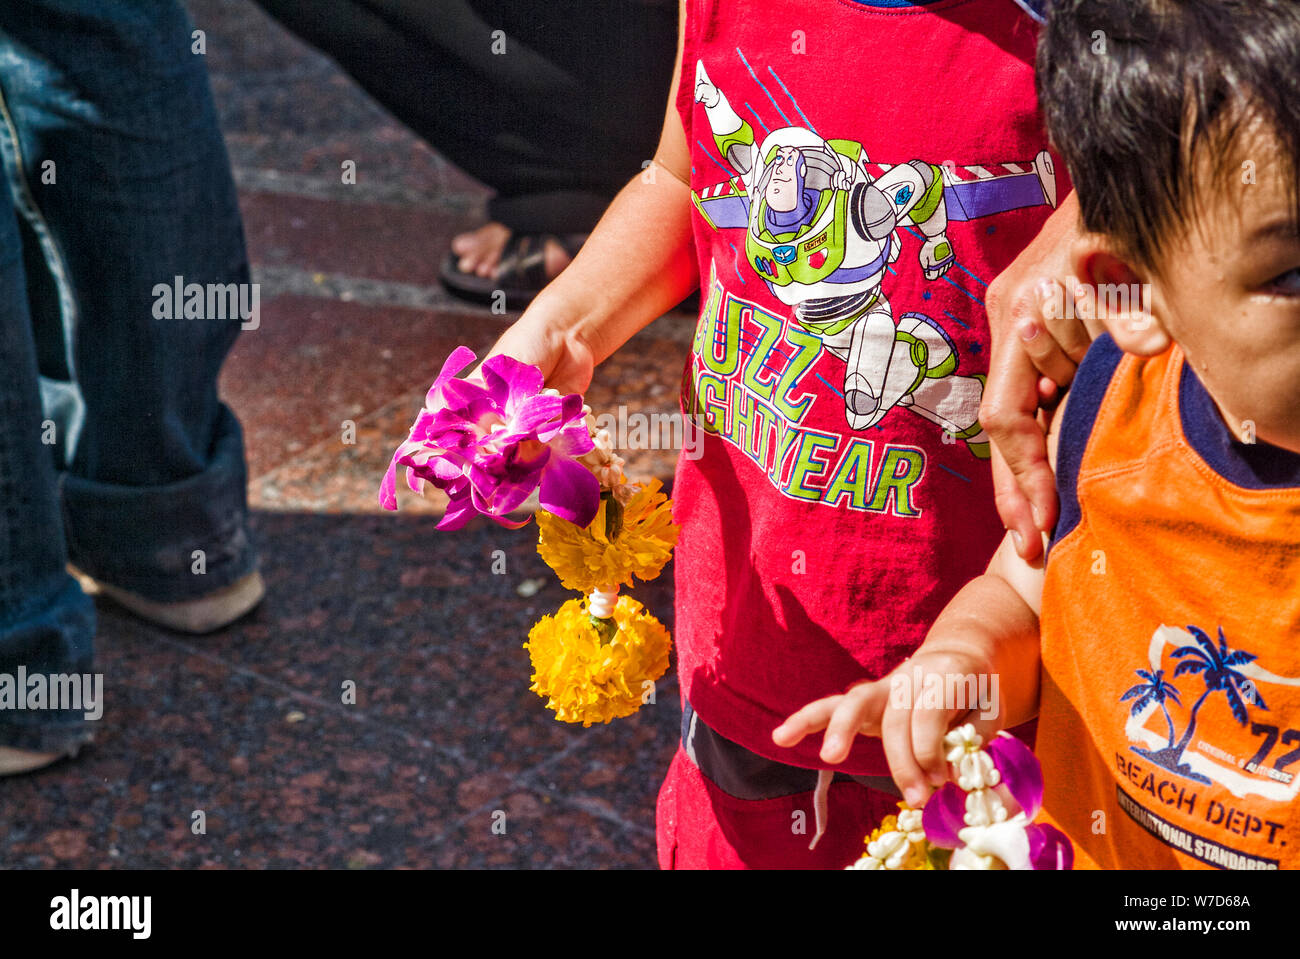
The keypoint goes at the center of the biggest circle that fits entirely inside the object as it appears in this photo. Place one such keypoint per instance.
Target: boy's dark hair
(1134, 91)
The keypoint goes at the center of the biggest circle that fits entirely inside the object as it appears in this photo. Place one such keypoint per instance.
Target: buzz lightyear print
(822, 224)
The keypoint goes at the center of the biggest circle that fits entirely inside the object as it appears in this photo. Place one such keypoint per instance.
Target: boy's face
(1228, 292)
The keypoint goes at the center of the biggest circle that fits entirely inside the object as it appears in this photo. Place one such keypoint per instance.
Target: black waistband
(746, 775)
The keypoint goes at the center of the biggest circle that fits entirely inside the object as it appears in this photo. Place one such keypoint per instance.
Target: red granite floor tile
(338, 477)
(198, 765)
(256, 726)
(619, 767)
(313, 364)
(637, 386)
(428, 626)
(391, 242)
(532, 831)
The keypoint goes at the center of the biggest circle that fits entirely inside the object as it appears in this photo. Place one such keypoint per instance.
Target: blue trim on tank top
(1254, 466)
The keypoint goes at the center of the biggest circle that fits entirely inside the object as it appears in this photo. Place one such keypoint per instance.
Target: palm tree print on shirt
(1155, 689)
(1216, 664)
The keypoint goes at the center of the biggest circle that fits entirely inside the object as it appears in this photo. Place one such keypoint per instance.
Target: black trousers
(555, 113)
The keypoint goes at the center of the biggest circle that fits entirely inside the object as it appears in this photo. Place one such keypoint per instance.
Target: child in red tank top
(860, 172)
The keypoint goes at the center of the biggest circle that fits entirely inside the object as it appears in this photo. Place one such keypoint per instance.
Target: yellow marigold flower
(920, 854)
(888, 824)
(613, 549)
(920, 858)
(588, 681)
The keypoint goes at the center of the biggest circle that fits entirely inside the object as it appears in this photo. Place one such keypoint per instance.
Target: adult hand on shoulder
(1037, 345)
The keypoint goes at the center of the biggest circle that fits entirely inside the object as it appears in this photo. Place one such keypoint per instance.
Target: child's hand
(894, 709)
(565, 359)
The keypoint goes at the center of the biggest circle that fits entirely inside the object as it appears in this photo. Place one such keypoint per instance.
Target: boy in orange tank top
(1159, 646)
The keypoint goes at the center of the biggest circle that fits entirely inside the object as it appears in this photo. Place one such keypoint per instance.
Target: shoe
(198, 616)
(15, 762)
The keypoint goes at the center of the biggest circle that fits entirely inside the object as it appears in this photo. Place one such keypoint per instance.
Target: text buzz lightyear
(753, 398)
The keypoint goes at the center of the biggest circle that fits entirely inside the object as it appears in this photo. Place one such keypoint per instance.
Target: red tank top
(861, 172)
(1169, 729)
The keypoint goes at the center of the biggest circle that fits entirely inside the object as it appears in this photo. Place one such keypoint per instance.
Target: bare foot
(480, 251)
(16, 761)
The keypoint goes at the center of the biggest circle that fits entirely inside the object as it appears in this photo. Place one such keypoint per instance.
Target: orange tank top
(1169, 728)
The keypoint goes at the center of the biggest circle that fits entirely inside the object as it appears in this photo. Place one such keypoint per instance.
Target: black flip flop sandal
(520, 275)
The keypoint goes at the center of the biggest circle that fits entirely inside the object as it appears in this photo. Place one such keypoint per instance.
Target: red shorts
(701, 827)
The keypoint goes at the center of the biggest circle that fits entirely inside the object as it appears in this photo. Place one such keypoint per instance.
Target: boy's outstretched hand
(984, 645)
(892, 709)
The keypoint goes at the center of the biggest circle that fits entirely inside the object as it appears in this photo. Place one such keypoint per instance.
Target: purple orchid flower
(489, 445)
(1019, 842)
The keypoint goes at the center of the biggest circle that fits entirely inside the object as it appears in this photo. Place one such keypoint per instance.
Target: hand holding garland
(492, 441)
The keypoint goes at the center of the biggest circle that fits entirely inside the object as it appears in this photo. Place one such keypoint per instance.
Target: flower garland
(968, 824)
(490, 445)
(899, 843)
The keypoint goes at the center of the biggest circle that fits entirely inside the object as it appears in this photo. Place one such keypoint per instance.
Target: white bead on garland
(891, 849)
(601, 602)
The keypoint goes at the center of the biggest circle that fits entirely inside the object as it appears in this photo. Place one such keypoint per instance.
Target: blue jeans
(115, 452)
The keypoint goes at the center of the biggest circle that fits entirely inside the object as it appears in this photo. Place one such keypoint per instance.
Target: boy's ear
(1119, 296)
